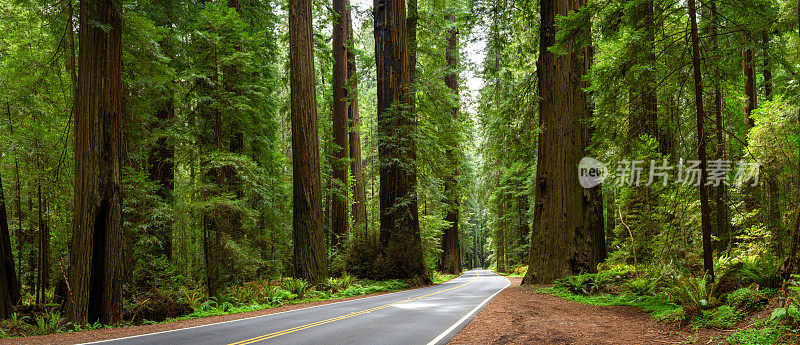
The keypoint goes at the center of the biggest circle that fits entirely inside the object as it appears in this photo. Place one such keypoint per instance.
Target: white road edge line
(253, 317)
(463, 319)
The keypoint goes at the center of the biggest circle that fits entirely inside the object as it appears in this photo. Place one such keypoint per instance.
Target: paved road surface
(430, 315)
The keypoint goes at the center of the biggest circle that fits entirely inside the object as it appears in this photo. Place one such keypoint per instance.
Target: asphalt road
(430, 315)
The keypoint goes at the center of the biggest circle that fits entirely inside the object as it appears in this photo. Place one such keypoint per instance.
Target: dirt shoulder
(518, 315)
(121, 332)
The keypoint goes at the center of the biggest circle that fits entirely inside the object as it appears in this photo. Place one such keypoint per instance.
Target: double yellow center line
(356, 313)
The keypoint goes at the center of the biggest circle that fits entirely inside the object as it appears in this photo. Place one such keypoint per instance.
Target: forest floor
(520, 315)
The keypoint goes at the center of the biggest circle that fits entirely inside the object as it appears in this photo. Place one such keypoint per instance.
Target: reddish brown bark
(339, 218)
(309, 257)
(95, 267)
(705, 210)
(450, 261)
(359, 207)
(399, 236)
(9, 285)
(561, 244)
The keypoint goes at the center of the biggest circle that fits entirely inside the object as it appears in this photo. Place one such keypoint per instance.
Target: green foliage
(297, 287)
(746, 300)
(756, 336)
(694, 292)
(724, 317)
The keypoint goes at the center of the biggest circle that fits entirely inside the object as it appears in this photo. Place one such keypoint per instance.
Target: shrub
(694, 293)
(49, 323)
(756, 336)
(724, 317)
(746, 300)
(584, 284)
(298, 287)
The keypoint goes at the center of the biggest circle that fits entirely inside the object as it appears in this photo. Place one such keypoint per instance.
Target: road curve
(429, 315)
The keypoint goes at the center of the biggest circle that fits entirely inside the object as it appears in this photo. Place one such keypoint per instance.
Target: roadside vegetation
(188, 300)
(748, 299)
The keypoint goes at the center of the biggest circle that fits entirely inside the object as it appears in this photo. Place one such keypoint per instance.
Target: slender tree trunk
(309, 256)
(9, 285)
(339, 216)
(719, 193)
(561, 244)
(44, 247)
(500, 236)
(359, 207)
(18, 201)
(749, 73)
(450, 261)
(399, 236)
(95, 268)
(708, 260)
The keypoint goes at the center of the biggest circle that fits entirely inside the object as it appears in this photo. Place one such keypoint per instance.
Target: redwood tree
(560, 242)
(705, 210)
(340, 131)
(399, 235)
(309, 256)
(451, 249)
(359, 208)
(95, 258)
(9, 286)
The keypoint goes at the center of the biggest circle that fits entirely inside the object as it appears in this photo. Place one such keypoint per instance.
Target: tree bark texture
(450, 261)
(9, 285)
(340, 220)
(399, 235)
(359, 207)
(310, 256)
(561, 244)
(705, 210)
(95, 267)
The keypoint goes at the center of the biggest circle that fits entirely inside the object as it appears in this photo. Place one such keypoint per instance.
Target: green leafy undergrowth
(658, 307)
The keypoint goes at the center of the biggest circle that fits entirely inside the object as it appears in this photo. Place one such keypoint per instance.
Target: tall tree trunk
(749, 73)
(9, 285)
(161, 162)
(44, 247)
(500, 236)
(561, 244)
(645, 104)
(309, 256)
(705, 211)
(18, 201)
(450, 261)
(359, 207)
(719, 193)
(340, 220)
(792, 261)
(95, 269)
(399, 236)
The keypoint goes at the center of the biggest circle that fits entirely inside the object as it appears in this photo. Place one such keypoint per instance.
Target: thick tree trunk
(9, 285)
(561, 244)
(359, 207)
(340, 220)
(450, 261)
(705, 210)
(399, 236)
(161, 162)
(644, 103)
(310, 257)
(95, 269)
